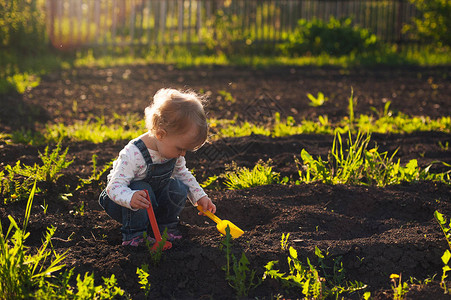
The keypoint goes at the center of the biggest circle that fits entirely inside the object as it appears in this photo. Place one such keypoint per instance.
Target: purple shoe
(138, 240)
(134, 242)
(172, 236)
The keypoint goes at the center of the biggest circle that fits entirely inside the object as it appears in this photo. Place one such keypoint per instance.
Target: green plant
(223, 34)
(242, 280)
(20, 82)
(227, 96)
(96, 131)
(284, 241)
(23, 270)
(335, 37)
(143, 275)
(446, 229)
(351, 109)
(355, 164)
(399, 288)
(242, 177)
(87, 290)
(22, 27)
(317, 101)
(96, 174)
(434, 21)
(157, 254)
(13, 189)
(335, 275)
(22, 34)
(78, 210)
(444, 146)
(209, 182)
(380, 169)
(44, 207)
(342, 167)
(49, 171)
(27, 273)
(307, 279)
(53, 163)
(16, 181)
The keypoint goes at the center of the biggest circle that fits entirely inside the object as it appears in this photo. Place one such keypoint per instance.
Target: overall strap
(151, 167)
(143, 149)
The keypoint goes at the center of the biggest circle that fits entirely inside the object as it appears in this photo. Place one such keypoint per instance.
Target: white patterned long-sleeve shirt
(131, 166)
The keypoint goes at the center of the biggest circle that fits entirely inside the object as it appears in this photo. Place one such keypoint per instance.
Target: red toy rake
(156, 231)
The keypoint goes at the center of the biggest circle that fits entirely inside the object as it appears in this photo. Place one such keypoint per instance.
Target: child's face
(175, 145)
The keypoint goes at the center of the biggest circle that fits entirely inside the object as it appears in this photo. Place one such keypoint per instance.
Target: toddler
(155, 162)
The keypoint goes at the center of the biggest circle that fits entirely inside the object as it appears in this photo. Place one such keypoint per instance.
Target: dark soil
(373, 231)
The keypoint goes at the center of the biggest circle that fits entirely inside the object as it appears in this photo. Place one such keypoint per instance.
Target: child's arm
(126, 168)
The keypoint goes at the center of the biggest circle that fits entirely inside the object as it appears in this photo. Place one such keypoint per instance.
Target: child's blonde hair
(174, 111)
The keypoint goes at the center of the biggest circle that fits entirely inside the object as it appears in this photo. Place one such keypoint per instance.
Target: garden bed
(375, 231)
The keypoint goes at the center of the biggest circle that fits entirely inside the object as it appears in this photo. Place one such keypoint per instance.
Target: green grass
(96, 131)
(349, 161)
(399, 123)
(445, 226)
(127, 127)
(16, 180)
(354, 163)
(19, 73)
(27, 273)
(313, 281)
(184, 58)
(242, 177)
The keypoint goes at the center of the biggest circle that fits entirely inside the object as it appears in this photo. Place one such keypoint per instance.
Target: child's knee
(111, 208)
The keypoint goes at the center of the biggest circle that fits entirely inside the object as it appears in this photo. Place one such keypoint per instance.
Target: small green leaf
(318, 252)
(446, 257)
(293, 253)
(66, 196)
(440, 218)
(306, 157)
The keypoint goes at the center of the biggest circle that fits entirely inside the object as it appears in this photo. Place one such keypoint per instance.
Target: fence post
(399, 22)
(51, 8)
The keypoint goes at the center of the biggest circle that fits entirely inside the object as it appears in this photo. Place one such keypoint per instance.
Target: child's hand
(139, 200)
(206, 204)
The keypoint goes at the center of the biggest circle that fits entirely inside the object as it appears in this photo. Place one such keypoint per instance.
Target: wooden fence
(90, 23)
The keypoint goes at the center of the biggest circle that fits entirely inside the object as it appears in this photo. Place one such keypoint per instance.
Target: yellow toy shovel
(222, 224)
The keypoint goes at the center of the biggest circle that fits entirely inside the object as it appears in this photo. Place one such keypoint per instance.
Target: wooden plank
(198, 19)
(132, 25)
(162, 21)
(51, 11)
(96, 11)
(189, 20)
(79, 21)
(180, 19)
(170, 16)
(147, 9)
(132, 19)
(71, 21)
(114, 17)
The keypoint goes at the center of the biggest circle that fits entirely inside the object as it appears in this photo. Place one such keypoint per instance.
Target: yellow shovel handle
(209, 214)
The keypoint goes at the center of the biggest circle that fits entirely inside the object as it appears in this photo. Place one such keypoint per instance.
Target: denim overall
(167, 194)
